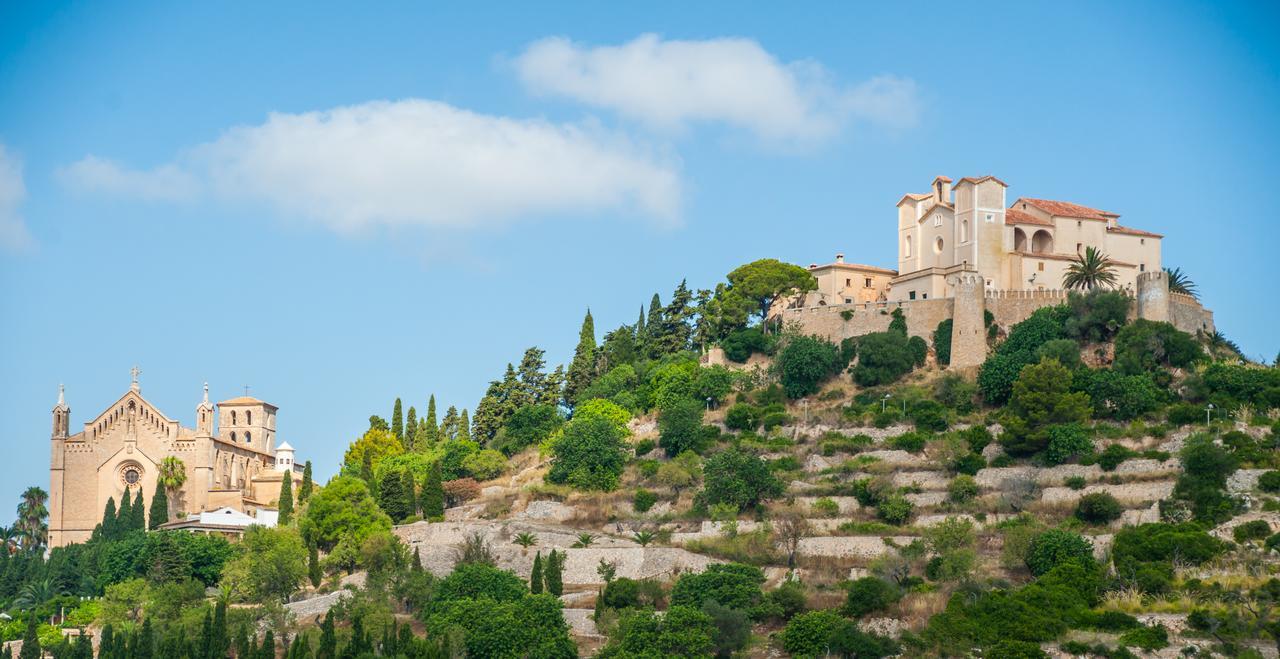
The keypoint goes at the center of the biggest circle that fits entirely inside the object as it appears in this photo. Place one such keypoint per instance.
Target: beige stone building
(231, 459)
(1026, 245)
(848, 283)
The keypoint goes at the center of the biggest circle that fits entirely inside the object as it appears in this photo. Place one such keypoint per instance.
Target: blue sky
(338, 206)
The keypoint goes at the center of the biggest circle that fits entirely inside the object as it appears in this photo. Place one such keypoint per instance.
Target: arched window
(964, 231)
(248, 437)
(1042, 242)
(233, 417)
(907, 248)
(937, 245)
(1019, 240)
(233, 437)
(248, 418)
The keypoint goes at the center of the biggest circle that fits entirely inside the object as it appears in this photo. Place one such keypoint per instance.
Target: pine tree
(304, 490)
(159, 507)
(313, 566)
(138, 514)
(397, 421)
(410, 495)
(328, 641)
(652, 328)
(146, 645)
(582, 370)
(449, 425)
(244, 644)
(109, 520)
(410, 428)
(31, 640)
(464, 426)
(433, 493)
(366, 471)
(433, 428)
(417, 560)
(535, 574)
(285, 502)
(553, 573)
(268, 650)
(124, 516)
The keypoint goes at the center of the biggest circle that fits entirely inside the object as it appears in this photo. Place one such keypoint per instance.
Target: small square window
(1041, 264)
(848, 301)
(924, 296)
(1142, 267)
(848, 282)
(911, 295)
(990, 218)
(1079, 247)
(868, 284)
(1142, 241)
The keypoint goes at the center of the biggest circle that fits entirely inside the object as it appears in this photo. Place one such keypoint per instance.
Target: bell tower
(57, 466)
(61, 415)
(204, 415)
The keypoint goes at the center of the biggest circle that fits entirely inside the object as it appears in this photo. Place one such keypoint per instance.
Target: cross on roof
(246, 390)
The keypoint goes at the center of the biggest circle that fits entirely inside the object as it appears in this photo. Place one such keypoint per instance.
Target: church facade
(230, 458)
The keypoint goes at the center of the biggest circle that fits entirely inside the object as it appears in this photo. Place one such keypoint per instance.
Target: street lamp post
(883, 401)
(1208, 411)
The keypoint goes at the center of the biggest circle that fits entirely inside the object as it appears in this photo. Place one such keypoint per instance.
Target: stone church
(230, 458)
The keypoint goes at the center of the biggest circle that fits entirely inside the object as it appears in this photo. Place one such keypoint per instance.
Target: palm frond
(1180, 282)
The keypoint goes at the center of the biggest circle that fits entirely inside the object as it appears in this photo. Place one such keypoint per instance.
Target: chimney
(942, 190)
(839, 258)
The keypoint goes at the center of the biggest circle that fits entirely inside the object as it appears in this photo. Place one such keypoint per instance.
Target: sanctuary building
(230, 460)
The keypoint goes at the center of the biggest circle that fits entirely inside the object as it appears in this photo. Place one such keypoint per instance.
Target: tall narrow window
(907, 247)
(248, 437)
(964, 231)
(248, 418)
(233, 417)
(233, 437)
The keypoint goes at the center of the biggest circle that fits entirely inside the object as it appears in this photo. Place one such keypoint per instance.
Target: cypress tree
(304, 490)
(433, 430)
(313, 566)
(285, 504)
(535, 574)
(464, 426)
(397, 421)
(410, 428)
(107, 641)
(124, 515)
(109, 519)
(145, 647)
(391, 497)
(553, 573)
(30, 640)
(433, 493)
(582, 368)
(410, 496)
(449, 425)
(159, 507)
(244, 644)
(138, 514)
(328, 641)
(417, 560)
(268, 650)
(219, 639)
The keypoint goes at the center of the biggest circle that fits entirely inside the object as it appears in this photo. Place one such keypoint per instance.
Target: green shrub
(911, 442)
(1203, 483)
(962, 488)
(1257, 529)
(742, 416)
(809, 634)
(826, 507)
(895, 509)
(1056, 547)
(1269, 481)
(1001, 369)
(1098, 508)
(1144, 346)
(1067, 441)
(833, 442)
(919, 350)
(739, 479)
(1063, 351)
(774, 419)
(730, 584)
(955, 392)
(1113, 455)
(870, 594)
(589, 456)
(929, 415)
(739, 345)
(1011, 649)
(849, 641)
(1041, 399)
(645, 447)
(1185, 414)
(978, 437)
(643, 500)
(1273, 542)
(969, 464)
(942, 342)
(1147, 638)
(1075, 482)
(1148, 543)
(805, 362)
(1118, 396)
(883, 358)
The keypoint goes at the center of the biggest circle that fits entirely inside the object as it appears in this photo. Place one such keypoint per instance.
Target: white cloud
(411, 162)
(13, 229)
(668, 84)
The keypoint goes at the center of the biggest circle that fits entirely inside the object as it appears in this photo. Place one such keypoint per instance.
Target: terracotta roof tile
(1012, 216)
(1132, 232)
(980, 179)
(1067, 209)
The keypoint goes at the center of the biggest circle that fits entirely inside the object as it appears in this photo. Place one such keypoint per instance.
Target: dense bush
(1098, 508)
(929, 415)
(1203, 483)
(895, 509)
(730, 584)
(742, 416)
(682, 631)
(1144, 346)
(870, 594)
(1095, 316)
(528, 425)
(643, 500)
(680, 426)
(590, 455)
(1067, 441)
(1056, 547)
(911, 442)
(739, 345)
(1001, 369)
(1269, 481)
(978, 437)
(809, 634)
(1115, 395)
(955, 392)
(739, 479)
(805, 362)
(969, 464)
(1161, 543)
(1257, 529)
(883, 358)
(1229, 385)
(1063, 351)
(942, 342)
(1113, 455)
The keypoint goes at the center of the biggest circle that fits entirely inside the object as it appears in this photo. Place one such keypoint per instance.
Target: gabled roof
(1067, 209)
(980, 179)
(1132, 232)
(912, 195)
(1012, 216)
(246, 400)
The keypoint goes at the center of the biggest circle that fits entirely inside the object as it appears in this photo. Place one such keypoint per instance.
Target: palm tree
(9, 538)
(1090, 270)
(35, 593)
(172, 475)
(1179, 282)
(644, 537)
(31, 515)
(525, 540)
(584, 540)
(1219, 345)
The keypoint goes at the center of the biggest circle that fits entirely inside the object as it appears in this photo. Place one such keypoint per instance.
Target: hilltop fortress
(962, 252)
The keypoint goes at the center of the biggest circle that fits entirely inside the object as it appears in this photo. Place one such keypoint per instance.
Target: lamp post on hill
(883, 401)
(1208, 411)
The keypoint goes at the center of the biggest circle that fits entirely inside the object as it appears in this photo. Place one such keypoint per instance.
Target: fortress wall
(1012, 307)
(1189, 315)
(922, 318)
